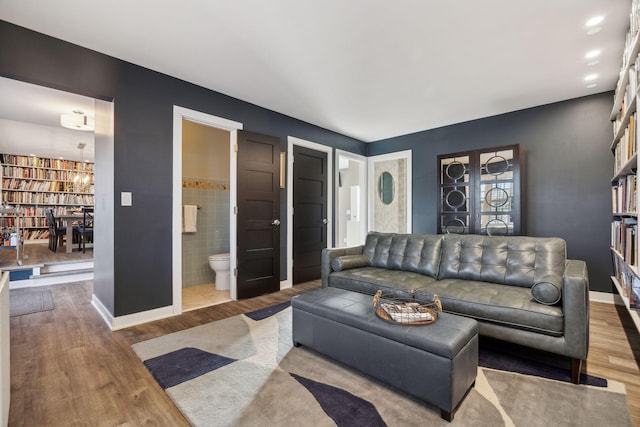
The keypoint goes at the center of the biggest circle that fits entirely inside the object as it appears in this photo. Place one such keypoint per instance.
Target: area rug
(29, 302)
(243, 371)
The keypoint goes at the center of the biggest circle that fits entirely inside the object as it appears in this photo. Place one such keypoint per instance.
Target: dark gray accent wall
(142, 152)
(567, 172)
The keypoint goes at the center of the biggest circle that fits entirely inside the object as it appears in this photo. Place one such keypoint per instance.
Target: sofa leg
(576, 367)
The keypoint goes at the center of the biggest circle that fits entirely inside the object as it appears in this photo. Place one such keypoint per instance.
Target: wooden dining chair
(85, 229)
(56, 233)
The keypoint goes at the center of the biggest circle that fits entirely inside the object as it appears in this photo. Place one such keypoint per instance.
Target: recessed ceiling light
(592, 85)
(594, 30)
(592, 22)
(592, 54)
(591, 77)
(32, 155)
(592, 63)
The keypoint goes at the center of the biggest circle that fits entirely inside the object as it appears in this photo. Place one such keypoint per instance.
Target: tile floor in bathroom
(194, 297)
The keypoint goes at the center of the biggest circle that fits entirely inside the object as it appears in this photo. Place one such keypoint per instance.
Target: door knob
(324, 221)
(276, 222)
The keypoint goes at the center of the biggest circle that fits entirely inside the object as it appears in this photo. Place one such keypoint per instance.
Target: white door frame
(179, 114)
(291, 141)
(364, 194)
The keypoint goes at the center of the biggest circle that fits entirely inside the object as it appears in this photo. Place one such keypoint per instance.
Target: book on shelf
(634, 292)
(624, 197)
(623, 239)
(626, 145)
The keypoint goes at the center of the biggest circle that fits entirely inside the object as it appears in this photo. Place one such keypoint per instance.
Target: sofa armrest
(575, 307)
(329, 254)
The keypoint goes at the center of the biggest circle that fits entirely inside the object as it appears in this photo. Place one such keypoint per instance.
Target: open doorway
(351, 200)
(211, 187)
(206, 209)
(48, 166)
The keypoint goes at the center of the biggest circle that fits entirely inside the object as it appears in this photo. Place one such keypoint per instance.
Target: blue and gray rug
(243, 371)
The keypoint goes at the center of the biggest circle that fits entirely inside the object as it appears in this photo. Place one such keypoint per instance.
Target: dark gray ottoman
(435, 363)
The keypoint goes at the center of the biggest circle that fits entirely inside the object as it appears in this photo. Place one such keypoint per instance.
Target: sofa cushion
(369, 280)
(546, 293)
(506, 305)
(346, 262)
(520, 261)
(409, 252)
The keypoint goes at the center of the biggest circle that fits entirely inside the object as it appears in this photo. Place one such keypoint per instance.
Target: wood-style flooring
(39, 253)
(69, 369)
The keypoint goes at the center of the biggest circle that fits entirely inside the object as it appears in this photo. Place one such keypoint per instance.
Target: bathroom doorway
(204, 227)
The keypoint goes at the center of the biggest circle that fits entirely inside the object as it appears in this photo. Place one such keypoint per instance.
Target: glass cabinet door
(455, 194)
(480, 192)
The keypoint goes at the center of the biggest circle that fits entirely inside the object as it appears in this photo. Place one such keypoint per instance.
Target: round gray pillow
(546, 293)
(346, 262)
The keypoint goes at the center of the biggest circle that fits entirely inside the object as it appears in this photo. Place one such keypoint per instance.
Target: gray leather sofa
(520, 289)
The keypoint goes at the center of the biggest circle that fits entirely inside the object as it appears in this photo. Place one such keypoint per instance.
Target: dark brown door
(309, 212)
(258, 260)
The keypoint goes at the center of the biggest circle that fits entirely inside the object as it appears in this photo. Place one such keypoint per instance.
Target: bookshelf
(624, 188)
(36, 183)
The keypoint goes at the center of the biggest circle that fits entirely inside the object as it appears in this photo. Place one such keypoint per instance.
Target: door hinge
(293, 211)
(235, 210)
(235, 272)
(235, 147)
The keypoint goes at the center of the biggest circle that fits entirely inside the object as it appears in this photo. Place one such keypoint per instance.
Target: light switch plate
(126, 198)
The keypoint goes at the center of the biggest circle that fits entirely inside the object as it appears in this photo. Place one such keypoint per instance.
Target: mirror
(385, 186)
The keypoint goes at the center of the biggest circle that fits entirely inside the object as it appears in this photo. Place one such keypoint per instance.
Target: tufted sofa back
(408, 252)
(522, 261)
(518, 260)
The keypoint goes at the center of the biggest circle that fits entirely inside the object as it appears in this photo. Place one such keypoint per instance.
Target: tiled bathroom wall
(212, 236)
(392, 217)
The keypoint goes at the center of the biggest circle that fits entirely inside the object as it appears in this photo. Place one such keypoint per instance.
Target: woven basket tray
(406, 311)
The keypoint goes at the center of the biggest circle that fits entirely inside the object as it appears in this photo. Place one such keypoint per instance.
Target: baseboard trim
(102, 310)
(605, 297)
(121, 322)
(284, 284)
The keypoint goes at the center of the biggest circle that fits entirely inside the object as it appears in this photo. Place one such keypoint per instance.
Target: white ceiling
(30, 121)
(370, 69)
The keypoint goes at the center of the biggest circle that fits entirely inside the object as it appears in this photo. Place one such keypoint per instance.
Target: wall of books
(36, 183)
(624, 189)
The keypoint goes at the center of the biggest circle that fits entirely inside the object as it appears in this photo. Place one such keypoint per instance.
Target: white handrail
(5, 337)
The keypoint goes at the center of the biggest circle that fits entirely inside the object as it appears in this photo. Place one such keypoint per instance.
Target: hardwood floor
(69, 369)
(39, 253)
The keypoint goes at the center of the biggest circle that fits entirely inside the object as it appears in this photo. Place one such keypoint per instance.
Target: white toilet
(220, 264)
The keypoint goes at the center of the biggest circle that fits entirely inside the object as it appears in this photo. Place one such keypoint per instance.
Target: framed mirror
(385, 187)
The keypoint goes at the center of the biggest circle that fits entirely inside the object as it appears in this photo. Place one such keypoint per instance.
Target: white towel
(189, 218)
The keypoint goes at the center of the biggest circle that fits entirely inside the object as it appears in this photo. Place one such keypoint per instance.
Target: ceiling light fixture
(77, 121)
(592, 54)
(592, 22)
(591, 77)
(592, 85)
